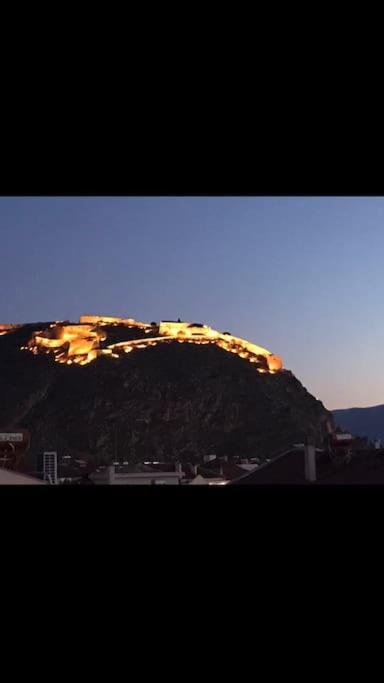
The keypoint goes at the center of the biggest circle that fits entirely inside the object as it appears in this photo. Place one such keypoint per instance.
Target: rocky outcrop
(172, 401)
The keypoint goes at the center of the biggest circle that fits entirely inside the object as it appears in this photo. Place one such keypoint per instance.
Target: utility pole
(115, 442)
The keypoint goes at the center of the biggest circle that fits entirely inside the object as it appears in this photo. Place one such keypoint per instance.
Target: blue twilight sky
(302, 276)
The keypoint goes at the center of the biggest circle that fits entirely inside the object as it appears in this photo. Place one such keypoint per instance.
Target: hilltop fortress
(95, 336)
(108, 388)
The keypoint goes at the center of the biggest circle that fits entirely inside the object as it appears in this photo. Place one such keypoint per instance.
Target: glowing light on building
(80, 344)
(5, 329)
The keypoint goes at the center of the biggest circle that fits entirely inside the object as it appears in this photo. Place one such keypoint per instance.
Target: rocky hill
(368, 422)
(164, 402)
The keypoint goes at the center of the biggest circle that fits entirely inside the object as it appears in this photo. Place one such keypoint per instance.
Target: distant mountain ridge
(367, 422)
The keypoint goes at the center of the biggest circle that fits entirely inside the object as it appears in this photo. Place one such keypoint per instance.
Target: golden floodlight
(5, 329)
(80, 343)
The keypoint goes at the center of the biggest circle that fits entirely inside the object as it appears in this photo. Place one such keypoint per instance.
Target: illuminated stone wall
(69, 343)
(81, 343)
(185, 329)
(107, 320)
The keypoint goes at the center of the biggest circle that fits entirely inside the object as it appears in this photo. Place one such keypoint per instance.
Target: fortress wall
(82, 341)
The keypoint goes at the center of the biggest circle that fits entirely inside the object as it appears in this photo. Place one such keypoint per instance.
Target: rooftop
(219, 467)
(9, 477)
(365, 467)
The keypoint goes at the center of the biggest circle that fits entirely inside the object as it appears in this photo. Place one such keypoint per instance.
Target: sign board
(10, 437)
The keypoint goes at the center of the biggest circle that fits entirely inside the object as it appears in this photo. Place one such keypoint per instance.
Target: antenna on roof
(310, 459)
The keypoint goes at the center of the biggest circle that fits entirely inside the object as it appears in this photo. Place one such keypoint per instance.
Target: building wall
(126, 479)
(109, 476)
(108, 320)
